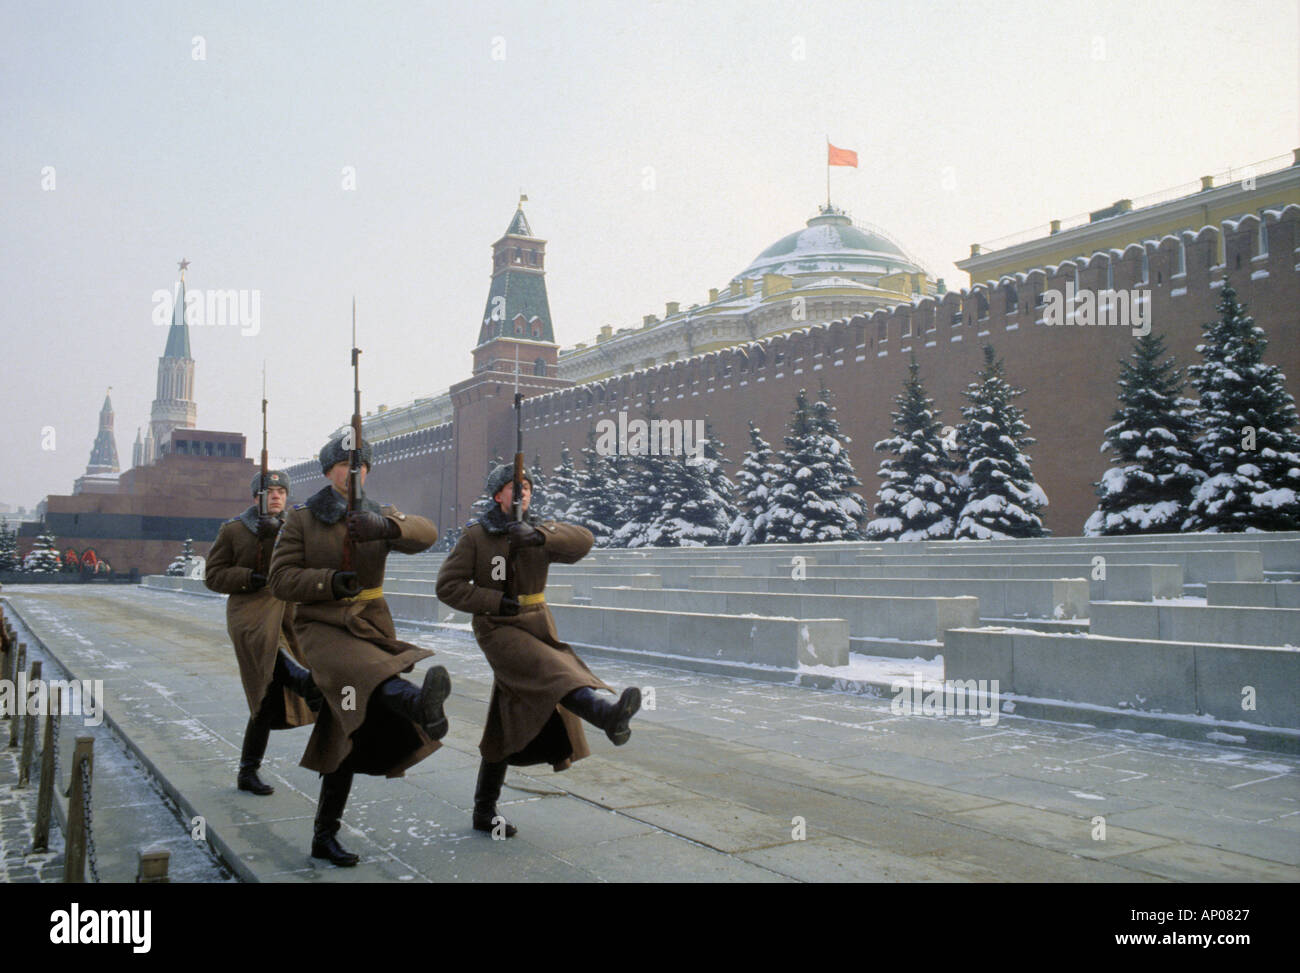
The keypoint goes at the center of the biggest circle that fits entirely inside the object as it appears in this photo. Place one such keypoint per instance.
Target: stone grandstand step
(1000, 597)
(1233, 625)
(913, 619)
(783, 643)
(1193, 679)
(1199, 566)
(1253, 594)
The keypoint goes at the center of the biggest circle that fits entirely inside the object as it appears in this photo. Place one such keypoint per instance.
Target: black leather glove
(256, 582)
(522, 535)
(268, 526)
(366, 526)
(508, 606)
(344, 584)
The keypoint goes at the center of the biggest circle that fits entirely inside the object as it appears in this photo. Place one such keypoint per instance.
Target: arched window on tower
(539, 367)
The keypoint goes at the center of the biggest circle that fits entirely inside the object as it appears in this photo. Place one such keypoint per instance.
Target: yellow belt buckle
(537, 599)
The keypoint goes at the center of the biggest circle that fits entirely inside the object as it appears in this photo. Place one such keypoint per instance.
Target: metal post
(74, 861)
(29, 734)
(15, 724)
(45, 795)
(152, 869)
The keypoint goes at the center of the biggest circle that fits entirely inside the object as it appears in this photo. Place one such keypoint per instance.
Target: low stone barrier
(915, 619)
(780, 642)
(1123, 582)
(1253, 594)
(998, 598)
(1136, 674)
(1199, 566)
(1196, 623)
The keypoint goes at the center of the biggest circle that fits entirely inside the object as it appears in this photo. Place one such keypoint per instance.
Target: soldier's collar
(250, 517)
(329, 507)
(495, 520)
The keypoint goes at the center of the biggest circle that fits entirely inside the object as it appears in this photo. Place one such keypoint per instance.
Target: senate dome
(832, 245)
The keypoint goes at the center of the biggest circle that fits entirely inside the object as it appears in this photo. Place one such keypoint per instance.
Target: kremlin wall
(431, 456)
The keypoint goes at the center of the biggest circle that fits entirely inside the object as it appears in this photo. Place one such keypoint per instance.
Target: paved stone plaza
(712, 787)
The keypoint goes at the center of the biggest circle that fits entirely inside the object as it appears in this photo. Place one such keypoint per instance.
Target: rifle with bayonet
(263, 504)
(354, 453)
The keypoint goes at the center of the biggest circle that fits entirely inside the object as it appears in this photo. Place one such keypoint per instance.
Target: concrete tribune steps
(1234, 625)
(1249, 685)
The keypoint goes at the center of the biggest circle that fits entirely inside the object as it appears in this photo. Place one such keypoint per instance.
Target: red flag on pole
(841, 157)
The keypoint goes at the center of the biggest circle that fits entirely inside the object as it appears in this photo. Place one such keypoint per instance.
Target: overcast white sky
(235, 161)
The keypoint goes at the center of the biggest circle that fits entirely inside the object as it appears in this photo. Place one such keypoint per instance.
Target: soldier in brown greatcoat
(540, 687)
(373, 721)
(280, 692)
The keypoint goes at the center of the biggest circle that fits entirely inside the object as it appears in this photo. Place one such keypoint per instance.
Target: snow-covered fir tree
(1153, 449)
(1002, 498)
(917, 493)
(1248, 449)
(714, 462)
(539, 502)
(563, 486)
(754, 482)
(850, 506)
(810, 497)
(645, 478)
(180, 565)
(598, 496)
(695, 510)
(8, 547)
(43, 558)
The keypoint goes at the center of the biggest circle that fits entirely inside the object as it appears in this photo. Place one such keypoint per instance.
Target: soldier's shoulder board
(470, 523)
(299, 506)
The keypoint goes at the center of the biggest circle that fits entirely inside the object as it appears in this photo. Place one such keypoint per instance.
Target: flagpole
(828, 171)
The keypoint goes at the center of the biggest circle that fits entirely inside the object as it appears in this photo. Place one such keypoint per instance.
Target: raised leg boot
(423, 706)
(288, 672)
(256, 734)
(486, 793)
(613, 718)
(334, 789)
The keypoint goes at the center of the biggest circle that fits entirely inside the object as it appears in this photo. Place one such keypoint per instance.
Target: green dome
(831, 244)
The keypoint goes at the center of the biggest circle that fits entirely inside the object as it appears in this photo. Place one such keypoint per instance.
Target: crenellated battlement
(1195, 261)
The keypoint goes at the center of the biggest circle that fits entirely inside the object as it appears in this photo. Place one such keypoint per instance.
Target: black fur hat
(503, 474)
(274, 478)
(333, 452)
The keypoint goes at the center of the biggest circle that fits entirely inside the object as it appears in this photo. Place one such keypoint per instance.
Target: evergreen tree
(8, 548)
(180, 565)
(755, 482)
(714, 462)
(563, 485)
(844, 477)
(539, 501)
(810, 499)
(44, 555)
(1153, 445)
(1248, 450)
(1003, 500)
(646, 478)
(694, 510)
(918, 490)
(598, 497)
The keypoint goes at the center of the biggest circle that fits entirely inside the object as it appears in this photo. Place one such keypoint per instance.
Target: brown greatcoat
(350, 646)
(256, 620)
(533, 670)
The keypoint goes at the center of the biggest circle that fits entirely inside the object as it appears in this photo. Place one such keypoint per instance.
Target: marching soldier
(280, 692)
(540, 686)
(373, 721)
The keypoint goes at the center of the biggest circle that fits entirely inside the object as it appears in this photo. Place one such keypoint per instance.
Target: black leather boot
(423, 706)
(289, 673)
(334, 789)
(256, 734)
(486, 792)
(613, 718)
